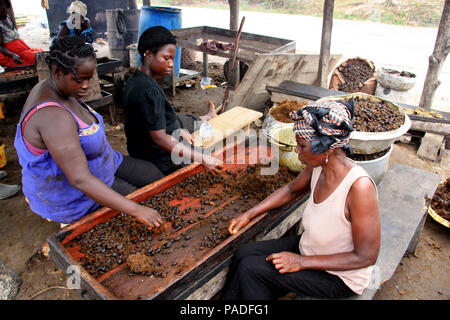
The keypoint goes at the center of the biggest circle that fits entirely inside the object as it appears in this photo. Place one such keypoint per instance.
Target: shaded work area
(189, 256)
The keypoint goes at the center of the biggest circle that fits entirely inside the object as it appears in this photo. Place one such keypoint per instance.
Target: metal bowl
(372, 142)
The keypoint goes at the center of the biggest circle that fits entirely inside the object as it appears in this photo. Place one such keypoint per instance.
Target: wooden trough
(187, 266)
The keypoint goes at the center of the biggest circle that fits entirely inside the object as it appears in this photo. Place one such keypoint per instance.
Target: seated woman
(341, 239)
(14, 51)
(76, 24)
(150, 119)
(68, 167)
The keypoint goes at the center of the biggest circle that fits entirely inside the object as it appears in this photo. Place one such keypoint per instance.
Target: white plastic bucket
(376, 168)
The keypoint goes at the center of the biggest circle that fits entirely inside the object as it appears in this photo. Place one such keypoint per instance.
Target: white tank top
(327, 231)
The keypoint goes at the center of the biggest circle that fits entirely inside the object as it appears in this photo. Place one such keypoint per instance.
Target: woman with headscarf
(76, 24)
(333, 257)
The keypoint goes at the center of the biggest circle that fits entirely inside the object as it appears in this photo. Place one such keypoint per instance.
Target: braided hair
(64, 52)
(154, 38)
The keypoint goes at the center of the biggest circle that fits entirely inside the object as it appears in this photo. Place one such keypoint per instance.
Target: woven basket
(368, 86)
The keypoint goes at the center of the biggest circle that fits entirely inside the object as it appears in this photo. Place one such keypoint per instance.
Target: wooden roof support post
(437, 59)
(234, 25)
(234, 14)
(327, 26)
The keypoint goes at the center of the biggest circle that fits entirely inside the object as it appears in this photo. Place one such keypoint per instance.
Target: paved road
(399, 47)
(386, 44)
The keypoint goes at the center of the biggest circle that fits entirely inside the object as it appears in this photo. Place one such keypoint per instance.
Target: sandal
(7, 191)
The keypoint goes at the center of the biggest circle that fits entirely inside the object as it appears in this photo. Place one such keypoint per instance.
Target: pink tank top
(38, 151)
(327, 231)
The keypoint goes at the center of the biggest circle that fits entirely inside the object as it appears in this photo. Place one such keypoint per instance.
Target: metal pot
(283, 137)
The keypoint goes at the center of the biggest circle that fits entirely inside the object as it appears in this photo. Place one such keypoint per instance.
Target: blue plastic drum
(161, 16)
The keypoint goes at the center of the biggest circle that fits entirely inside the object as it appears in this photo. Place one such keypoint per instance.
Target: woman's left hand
(285, 262)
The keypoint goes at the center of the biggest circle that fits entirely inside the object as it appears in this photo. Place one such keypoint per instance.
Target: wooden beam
(234, 14)
(234, 25)
(327, 26)
(437, 59)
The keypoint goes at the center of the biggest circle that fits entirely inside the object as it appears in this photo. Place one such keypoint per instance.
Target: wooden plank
(431, 127)
(303, 90)
(226, 124)
(430, 146)
(284, 226)
(211, 288)
(212, 33)
(280, 97)
(272, 70)
(247, 36)
(250, 43)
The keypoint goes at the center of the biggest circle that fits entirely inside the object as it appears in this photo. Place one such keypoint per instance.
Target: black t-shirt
(146, 108)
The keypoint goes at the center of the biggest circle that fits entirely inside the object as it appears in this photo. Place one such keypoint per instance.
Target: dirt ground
(423, 275)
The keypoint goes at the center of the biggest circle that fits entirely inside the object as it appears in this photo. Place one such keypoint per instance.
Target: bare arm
(285, 194)
(170, 144)
(365, 219)
(8, 53)
(64, 146)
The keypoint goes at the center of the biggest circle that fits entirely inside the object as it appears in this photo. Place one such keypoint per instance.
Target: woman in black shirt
(150, 119)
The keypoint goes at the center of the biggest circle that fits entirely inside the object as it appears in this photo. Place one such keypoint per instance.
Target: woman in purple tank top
(68, 167)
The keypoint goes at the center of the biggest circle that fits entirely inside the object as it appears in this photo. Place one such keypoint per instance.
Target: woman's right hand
(147, 216)
(239, 222)
(17, 59)
(212, 163)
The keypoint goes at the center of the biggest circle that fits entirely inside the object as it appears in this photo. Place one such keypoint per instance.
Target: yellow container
(2, 156)
(2, 110)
